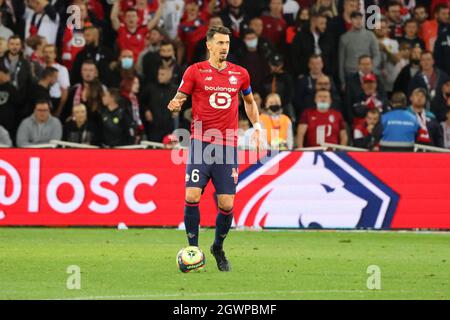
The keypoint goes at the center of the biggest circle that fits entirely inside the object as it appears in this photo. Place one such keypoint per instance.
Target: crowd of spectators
(102, 72)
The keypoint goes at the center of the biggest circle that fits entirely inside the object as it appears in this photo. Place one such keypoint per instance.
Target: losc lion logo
(315, 190)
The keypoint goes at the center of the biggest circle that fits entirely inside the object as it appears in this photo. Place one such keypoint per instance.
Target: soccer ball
(190, 259)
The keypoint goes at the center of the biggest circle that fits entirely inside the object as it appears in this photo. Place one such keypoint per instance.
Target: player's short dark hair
(217, 29)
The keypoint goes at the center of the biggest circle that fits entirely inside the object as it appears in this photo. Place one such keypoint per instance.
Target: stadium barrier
(362, 190)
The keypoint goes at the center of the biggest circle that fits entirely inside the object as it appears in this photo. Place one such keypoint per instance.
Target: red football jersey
(215, 100)
(132, 41)
(322, 126)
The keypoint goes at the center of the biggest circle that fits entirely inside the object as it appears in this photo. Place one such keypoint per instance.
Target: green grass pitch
(140, 264)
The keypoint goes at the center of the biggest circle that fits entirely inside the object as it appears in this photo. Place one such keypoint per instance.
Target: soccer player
(214, 86)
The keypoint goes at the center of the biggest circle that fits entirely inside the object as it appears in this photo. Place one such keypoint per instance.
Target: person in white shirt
(41, 19)
(172, 13)
(60, 90)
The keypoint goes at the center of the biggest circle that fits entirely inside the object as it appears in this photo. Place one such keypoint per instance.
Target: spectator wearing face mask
(430, 132)
(321, 125)
(441, 103)
(278, 127)
(123, 68)
(306, 85)
(253, 60)
(94, 51)
(408, 72)
(264, 45)
(165, 57)
(363, 134)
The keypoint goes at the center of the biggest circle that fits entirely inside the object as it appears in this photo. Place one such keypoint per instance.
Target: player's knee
(226, 204)
(193, 196)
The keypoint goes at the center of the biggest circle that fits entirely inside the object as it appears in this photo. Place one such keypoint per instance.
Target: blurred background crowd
(322, 71)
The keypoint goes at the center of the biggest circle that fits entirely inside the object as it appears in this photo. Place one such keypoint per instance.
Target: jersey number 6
(220, 100)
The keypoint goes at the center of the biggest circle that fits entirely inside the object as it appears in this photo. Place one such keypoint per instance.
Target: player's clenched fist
(176, 104)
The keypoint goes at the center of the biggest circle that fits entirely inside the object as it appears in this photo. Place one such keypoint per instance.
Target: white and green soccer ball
(190, 259)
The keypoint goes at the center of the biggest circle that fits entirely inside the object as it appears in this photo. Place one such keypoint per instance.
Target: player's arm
(253, 114)
(252, 110)
(177, 102)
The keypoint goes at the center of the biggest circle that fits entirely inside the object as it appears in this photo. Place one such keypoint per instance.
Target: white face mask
(252, 44)
(323, 106)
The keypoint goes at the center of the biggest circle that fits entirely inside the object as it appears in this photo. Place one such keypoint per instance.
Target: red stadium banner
(293, 190)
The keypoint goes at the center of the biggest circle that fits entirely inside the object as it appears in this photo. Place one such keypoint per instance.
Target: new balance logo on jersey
(208, 88)
(208, 78)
